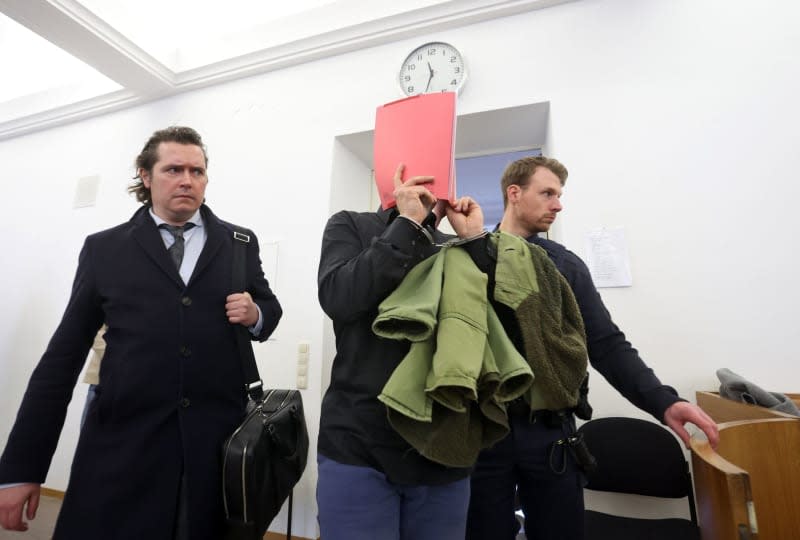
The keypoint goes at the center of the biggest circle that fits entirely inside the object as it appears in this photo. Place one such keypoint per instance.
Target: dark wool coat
(171, 386)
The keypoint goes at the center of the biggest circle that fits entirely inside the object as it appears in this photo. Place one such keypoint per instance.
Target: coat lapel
(215, 238)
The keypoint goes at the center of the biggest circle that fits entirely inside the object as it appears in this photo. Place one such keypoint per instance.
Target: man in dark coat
(148, 461)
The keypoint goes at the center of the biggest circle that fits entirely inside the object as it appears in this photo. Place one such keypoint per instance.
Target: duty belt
(519, 407)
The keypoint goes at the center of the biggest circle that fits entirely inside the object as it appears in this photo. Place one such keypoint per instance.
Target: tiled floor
(40, 528)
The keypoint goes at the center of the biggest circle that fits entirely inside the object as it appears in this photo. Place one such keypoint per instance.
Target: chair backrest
(638, 457)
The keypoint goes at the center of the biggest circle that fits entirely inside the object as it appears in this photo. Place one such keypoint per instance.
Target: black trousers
(549, 481)
(182, 514)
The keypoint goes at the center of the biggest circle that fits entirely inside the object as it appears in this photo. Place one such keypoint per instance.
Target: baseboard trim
(58, 494)
(55, 493)
(282, 536)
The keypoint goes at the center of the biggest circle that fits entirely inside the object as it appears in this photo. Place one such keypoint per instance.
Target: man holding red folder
(372, 483)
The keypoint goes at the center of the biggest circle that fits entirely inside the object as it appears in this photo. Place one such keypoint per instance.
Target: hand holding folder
(419, 132)
(412, 197)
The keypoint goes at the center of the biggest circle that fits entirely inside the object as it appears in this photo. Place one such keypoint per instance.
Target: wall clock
(432, 67)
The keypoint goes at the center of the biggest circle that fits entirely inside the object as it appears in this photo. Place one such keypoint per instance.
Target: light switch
(302, 365)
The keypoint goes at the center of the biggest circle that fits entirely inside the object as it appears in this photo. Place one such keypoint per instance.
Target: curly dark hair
(149, 155)
(519, 172)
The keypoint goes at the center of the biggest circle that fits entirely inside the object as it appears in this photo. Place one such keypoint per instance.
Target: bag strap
(253, 385)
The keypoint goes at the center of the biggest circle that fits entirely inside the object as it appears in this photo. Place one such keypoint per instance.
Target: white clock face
(433, 67)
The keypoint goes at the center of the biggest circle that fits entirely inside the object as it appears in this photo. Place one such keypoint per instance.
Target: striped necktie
(176, 249)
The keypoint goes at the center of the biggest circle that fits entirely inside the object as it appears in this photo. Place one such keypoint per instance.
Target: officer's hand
(681, 412)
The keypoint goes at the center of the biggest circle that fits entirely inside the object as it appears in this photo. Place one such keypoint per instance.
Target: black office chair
(641, 458)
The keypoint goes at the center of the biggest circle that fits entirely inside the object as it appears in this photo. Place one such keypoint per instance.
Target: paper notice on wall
(607, 257)
(269, 262)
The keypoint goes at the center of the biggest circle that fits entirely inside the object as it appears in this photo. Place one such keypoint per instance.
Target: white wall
(676, 118)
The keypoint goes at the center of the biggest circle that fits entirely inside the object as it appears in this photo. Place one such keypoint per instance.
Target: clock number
(407, 78)
(410, 89)
(419, 57)
(452, 59)
(431, 52)
(454, 82)
(412, 67)
(457, 70)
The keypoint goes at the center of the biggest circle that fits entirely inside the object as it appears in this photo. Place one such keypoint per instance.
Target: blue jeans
(360, 503)
(549, 481)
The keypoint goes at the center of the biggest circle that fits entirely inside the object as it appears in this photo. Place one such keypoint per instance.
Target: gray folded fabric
(737, 388)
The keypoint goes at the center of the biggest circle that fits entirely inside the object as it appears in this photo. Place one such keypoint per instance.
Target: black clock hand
(430, 76)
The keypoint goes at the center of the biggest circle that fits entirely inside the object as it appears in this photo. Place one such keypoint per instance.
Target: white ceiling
(65, 60)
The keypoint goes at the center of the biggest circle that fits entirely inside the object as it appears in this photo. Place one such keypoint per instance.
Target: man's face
(534, 206)
(177, 182)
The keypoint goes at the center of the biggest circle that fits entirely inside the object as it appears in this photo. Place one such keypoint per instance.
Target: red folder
(419, 132)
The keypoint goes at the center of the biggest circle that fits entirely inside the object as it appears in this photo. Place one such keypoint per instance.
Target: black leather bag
(263, 460)
(265, 456)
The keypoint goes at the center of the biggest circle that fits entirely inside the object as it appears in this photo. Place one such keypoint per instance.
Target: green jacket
(446, 397)
(550, 321)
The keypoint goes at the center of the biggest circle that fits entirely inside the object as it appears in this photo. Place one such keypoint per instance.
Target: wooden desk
(727, 410)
